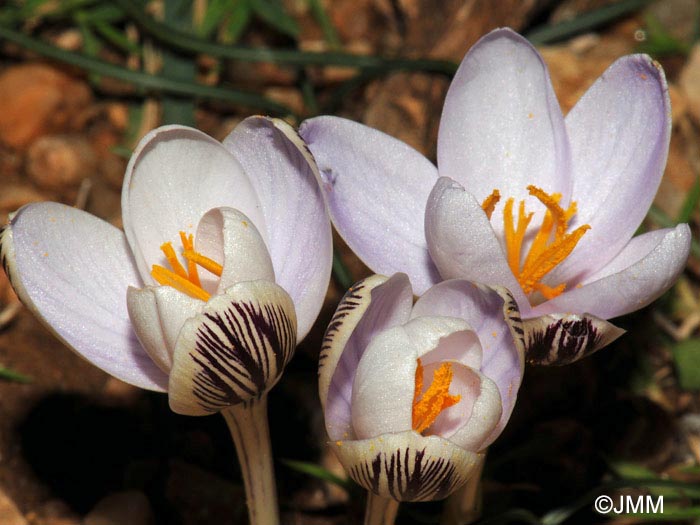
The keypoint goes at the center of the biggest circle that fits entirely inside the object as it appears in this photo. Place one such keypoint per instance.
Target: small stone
(129, 507)
(38, 99)
(58, 162)
(9, 513)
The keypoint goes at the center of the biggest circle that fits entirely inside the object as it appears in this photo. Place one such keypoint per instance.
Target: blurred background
(82, 80)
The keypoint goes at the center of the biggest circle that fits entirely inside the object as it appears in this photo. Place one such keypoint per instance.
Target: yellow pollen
(490, 202)
(428, 405)
(550, 246)
(185, 281)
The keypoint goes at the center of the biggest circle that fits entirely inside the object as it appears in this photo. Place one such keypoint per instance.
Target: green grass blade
(192, 44)
(8, 374)
(317, 472)
(329, 32)
(584, 22)
(152, 83)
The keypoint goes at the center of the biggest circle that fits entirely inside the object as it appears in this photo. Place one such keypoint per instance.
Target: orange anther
(428, 405)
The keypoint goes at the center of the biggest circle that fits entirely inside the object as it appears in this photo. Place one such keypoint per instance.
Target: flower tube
(209, 288)
(413, 394)
(522, 197)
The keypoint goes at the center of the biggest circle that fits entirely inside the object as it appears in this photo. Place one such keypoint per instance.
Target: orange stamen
(428, 406)
(169, 278)
(188, 245)
(550, 246)
(490, 202)
(167, 249)
(515, 236)
(186, 281)
(205, 262)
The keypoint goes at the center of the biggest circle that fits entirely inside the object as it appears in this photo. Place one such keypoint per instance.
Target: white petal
(369, 307)
(376, 188)
(175, 176)
(484, 412)
(494, 316)
(562, 339)
(229, 237)
(462, 242)
(287, 183)
(234, 351)
(158, 314)
(631, 288)
(384, 385)
(72, 271)
(619, 131)
(407, 466)
(501, 127)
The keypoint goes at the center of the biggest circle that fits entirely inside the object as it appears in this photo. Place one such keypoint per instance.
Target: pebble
(38, 99)
(121, 508)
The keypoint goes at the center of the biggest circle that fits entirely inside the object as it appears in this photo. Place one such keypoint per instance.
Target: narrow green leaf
(341, 274)
(238, 21)
(329, 32)
(691, 202)
(116, 37)
(318, 472)
(274, 14)
(686, 356)
(192, 44)
(8, 374)
(151, 83)
(584, 22)
(217, 11)
(177, 109)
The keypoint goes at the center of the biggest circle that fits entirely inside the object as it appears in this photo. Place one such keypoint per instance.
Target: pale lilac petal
(484, 413)
(72, 270)
(619, 132)
(635, 250)
(157, 315)
(407, 466)
(146, 322)
(175, 176)
(376, 187)
(493, 315)
(298, 227)
(384, 384)
(462, 242)
(382, 304)
(557, 339)
(501, 125)
(234, 351)
(229, 237)
(631, 288)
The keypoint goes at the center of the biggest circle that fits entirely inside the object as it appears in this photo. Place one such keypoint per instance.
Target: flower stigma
(185, 280)
(550, 246)
(428, 406)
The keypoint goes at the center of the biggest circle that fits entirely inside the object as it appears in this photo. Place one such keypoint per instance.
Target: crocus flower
(214, 325)
(413, 394)
(522, 197)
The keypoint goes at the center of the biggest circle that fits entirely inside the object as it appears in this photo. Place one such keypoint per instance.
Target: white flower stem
(249, 430)
(379, 510)
(464, 506)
